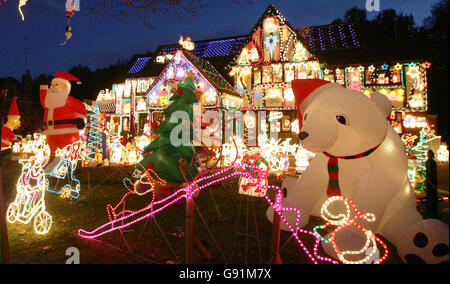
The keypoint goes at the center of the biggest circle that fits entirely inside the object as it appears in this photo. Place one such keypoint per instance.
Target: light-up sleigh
(60, 173)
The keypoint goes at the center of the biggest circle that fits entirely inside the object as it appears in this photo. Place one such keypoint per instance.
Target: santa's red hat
(66, 78)
(13, 110)
(305, 90)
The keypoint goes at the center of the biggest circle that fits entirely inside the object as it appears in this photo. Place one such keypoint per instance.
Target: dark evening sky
(99, 41)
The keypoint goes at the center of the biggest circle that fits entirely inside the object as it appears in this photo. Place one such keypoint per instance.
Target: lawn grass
(101, 186)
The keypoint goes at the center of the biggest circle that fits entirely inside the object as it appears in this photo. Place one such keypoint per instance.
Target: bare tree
(145, 9)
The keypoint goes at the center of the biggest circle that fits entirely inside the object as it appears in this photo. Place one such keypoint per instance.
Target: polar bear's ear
(383, 103)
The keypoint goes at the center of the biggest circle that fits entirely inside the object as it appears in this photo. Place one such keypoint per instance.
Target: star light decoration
(413, 72)
(371, 68)
(426, 65)
(398, 66)
(384, 67)
(271, 42)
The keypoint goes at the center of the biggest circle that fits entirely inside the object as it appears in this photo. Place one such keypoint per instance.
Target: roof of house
(204, 67)
(336, 44)
(331, 37)
(317, 39)
(208, 48)
(209, 72)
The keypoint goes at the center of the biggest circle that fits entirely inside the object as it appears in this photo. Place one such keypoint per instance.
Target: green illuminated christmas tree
(94, 139)
(162, 155)
(421, 150)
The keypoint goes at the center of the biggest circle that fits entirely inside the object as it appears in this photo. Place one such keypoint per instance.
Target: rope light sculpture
(344, 220)
(199, 184)
(65, 169)
(94, 139)
(29, 203)
(148, 182)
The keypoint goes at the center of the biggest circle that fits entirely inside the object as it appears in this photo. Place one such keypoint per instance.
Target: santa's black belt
(79, 122)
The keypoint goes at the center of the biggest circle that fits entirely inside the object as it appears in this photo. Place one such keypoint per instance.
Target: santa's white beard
(55, 98)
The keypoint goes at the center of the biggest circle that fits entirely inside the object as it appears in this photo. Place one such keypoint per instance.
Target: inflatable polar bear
(372, 171)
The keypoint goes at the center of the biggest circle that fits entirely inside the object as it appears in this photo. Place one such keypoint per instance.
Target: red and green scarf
(333, 170)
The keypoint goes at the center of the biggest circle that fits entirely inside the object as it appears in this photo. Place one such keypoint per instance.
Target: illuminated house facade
(125, 105)
(218, 93)
(254, 72)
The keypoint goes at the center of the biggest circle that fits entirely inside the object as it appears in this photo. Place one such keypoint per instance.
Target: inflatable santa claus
(12, 124)
(64, 115)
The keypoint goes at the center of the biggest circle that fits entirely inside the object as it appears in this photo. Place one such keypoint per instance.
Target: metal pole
(189, 227)
(3, 228)
(276, 234)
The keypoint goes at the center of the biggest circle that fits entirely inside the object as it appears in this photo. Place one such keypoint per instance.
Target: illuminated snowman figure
(116, 155)
(29, 203)
(442, 154)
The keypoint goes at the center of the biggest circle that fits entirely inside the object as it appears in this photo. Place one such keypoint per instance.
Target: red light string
(112, 215)
(193, 188)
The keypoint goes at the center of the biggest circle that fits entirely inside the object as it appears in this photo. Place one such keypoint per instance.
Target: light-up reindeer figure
(29, 202)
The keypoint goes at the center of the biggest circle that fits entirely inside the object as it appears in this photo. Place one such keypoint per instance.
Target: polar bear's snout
(319, 132)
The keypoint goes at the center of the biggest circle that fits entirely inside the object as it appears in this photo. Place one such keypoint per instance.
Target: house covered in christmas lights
(254, 72)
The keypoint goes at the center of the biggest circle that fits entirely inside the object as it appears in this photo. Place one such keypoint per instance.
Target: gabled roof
(215, 49)
(208, 71)
(318, 39)
(271, 11)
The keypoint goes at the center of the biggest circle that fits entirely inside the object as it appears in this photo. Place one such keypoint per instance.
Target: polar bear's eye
(342, 119)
